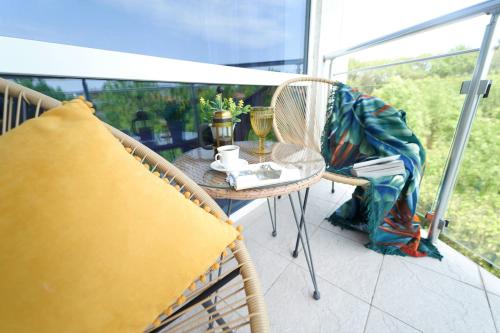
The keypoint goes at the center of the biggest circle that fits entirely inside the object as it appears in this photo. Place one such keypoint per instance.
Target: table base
(303, 238)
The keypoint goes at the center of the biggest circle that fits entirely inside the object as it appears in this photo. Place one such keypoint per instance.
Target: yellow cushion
(91, 241)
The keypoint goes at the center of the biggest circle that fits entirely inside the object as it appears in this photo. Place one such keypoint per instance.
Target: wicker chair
(299, 117)
(230, 300)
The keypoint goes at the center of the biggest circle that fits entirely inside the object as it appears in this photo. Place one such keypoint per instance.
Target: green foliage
(429, 93)
(41, 85)
(208, 107)
(175, 110)
(119, 101)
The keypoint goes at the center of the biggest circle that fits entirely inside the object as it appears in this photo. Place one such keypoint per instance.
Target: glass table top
(196, 163)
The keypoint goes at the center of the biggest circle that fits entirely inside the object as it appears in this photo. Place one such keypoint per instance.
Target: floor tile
(258, 213)
(319, 210)
(412, 293)
(347, 195)
(495, 308)
(430, 301)
(453, 264)
(356, 236)
(323, 190)
(491, 282)
(247, 209)
(379, 321)
(292, 308)
(347, 264)
(268, 264)
(260, 230)
(316, 210)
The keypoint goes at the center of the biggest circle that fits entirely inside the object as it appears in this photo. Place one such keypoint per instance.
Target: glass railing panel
(429, 92)
(163, 116)
(361, 21)
(474, 209)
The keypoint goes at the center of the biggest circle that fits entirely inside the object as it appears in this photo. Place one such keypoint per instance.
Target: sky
(234, 31)
(215, 31)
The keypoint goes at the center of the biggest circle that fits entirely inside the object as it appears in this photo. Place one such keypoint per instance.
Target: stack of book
(379, 167)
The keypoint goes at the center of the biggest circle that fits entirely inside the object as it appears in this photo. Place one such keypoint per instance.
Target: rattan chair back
(299, 116)
(236, 304)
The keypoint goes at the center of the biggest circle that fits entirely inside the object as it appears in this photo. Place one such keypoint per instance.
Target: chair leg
(211, 309)
(333, 187)
(272, 215)
(207, 304)
(211, 324)
(229, 207)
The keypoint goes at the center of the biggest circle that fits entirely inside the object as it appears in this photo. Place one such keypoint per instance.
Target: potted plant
(208, 107)
(174, 115)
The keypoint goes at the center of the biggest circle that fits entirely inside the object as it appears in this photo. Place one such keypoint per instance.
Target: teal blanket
(359, 127)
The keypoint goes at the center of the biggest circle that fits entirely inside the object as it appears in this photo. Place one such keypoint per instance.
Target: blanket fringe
(370, 226)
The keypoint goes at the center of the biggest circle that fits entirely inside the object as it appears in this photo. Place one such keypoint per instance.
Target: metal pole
(194, 103)
(463, 129)
(405, 62)
(307, 30)
(330, 68)
(86, 90)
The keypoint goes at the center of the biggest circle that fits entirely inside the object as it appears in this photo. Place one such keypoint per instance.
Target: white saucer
(217, 166)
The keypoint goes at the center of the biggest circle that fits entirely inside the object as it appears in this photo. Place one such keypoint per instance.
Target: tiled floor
(361, 290)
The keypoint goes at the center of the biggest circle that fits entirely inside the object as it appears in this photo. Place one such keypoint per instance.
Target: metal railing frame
(487, 7)
(56, 60)
(469, 108)
(407, 61)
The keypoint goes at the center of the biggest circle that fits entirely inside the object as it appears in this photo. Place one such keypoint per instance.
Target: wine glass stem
(261, 145)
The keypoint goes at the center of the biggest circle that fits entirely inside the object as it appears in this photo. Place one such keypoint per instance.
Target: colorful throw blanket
(359, 127)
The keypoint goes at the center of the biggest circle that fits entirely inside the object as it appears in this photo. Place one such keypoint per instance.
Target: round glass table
(311, 165)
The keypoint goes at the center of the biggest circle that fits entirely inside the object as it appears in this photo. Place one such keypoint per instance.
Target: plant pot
(175, 128)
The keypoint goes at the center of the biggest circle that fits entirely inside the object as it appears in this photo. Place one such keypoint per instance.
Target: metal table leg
(229, 207)
(303, 237)
(272, 216)
(295, 252)
(214, 311)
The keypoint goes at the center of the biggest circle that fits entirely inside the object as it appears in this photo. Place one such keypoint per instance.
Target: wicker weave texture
(299, 116)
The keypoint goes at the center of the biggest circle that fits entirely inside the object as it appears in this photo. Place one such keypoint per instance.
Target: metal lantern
(222, 125)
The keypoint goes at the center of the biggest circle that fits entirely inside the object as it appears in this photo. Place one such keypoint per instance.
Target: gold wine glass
(261, 118)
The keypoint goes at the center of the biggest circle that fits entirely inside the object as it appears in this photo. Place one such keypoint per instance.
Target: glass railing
(154, 100)
(163, 116)
(429, 92)
(428, 87)
(475, 205)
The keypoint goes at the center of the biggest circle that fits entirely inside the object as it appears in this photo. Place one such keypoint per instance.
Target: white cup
(228, 156)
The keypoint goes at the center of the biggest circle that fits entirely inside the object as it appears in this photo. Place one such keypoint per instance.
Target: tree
(41, 85)
(429, 93)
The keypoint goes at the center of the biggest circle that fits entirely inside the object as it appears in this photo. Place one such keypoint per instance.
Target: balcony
(361, 290)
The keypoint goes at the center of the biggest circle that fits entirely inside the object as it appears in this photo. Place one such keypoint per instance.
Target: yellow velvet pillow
(91, 241)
